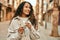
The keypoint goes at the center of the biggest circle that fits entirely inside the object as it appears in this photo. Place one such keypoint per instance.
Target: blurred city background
(47, 13)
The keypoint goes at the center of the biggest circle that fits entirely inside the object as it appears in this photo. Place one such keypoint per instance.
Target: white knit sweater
(29, 34)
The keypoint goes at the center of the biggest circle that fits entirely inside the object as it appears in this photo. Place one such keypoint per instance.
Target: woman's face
(26, 9)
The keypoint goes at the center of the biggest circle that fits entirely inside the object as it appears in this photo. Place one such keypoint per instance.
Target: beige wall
(59, 2)
(4, 2)
(16, 3)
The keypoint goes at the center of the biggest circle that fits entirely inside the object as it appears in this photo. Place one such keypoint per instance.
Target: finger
(26, 23)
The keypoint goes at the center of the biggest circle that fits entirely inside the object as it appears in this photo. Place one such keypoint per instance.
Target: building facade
(7, 9)
(2, 10)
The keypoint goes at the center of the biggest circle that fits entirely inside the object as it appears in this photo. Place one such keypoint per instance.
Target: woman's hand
(28, 25)
(36, 27)
(21, 30)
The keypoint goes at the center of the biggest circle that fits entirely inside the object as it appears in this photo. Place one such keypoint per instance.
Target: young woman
(23, 24)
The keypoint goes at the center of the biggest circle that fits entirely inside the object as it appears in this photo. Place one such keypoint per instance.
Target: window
(50, 1)
(8, 1)
(0, 6)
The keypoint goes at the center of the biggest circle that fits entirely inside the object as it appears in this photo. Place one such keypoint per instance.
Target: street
(44, 33)
(3, 30)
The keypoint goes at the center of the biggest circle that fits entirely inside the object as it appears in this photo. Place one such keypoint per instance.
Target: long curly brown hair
(31, 14)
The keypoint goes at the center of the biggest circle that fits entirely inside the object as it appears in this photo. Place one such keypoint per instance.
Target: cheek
(24, 10)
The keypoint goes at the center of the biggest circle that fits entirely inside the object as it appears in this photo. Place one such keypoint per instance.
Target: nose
(29, 9)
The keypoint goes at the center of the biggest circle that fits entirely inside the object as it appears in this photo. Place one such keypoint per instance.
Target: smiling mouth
(27, 12)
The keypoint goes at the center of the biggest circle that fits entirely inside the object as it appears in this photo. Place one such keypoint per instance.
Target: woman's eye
(27, 7)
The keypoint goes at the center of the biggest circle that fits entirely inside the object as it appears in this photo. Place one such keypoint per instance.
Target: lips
(28, 11)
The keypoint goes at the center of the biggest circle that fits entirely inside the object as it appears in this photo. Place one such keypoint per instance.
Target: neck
(23, 15)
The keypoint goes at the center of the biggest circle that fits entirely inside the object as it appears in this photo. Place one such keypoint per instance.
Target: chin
(27, 13)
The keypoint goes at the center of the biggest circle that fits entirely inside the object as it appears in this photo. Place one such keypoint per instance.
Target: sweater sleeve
(13, 30)
(34, 34)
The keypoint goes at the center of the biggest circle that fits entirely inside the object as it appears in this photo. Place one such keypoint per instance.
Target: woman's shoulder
(16, 18)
